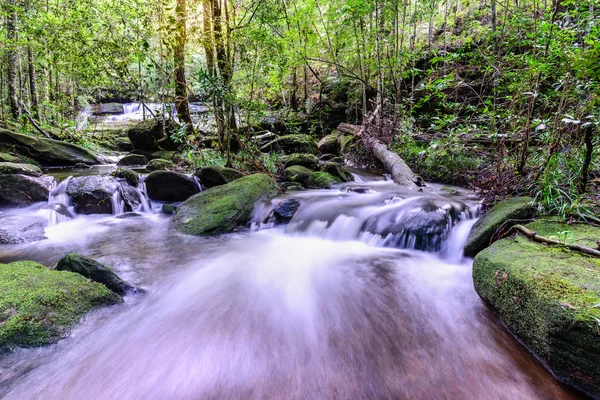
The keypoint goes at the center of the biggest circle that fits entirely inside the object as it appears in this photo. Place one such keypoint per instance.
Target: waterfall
(59, 203)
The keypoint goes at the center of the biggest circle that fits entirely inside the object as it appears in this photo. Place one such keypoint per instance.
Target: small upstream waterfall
(59, 203)
(364, 294)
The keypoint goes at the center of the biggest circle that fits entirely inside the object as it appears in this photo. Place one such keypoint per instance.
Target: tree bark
(11, 57)
(181, 99)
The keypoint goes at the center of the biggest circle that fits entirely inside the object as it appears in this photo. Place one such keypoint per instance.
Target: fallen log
(400, 172)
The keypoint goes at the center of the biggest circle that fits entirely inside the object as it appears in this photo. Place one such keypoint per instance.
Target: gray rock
(132, 159)
(170, 186)
(23, 190)
(9, 168)
(212, 176)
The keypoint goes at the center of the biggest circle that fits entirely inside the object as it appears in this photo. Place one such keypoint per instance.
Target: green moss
(223, 208)
(6, 157)
(580, 234)
(130, 176)
(163, 155)
(160, 164)
(290, 144)
(549, 297)
(297, 173)
(309, 161)
(503, 215)
(39, 305)
(10, 168)
(321, 180)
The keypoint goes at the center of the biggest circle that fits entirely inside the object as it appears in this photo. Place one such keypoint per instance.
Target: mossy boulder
(503, 215)
(7, 157)
(8, 168)
(131, 177)
(24, 190)
(38, 305)
(169, 209)
(170, 186)
(346, 142)
(223, 208)
(338, 171)
(163, 155)
(159, 164)
(93, 270)
(297, 173)
(290, 144)
(148, 136)
(309, 161)
(549, 298)
(322, 180)
(329, 144)
(132, 159)
(47, 152)
(214, 175)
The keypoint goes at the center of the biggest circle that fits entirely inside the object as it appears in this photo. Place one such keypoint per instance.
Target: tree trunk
(11, 57)
(181, 99)
(32, 84)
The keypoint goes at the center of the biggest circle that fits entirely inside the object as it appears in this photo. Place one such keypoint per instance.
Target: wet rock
(338, 171)
(291, 144)
(329, 144)
(39, 306)
(292, 187)
(322, 180)
(47, 152)
(163, 155)
(309, 161)
(16, 229)
(298, 174)
(128, 215)
(223, 208)
(23, 190)
(169, 209)
(170, 186)
(503, 215)
(8, 168)
(131, 197)
(148, 136)
(212, 176)
(93, 270)
(123, 144)
(132, 159)
(131, 177)
(6, 157)
(285, 210)
(92, 194)
(160, 165)
(549, 298)
(81, 166)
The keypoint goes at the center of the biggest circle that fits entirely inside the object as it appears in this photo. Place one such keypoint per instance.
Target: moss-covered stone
(309, 161)
(163, 155)
(93, 270)
(159, 164)
(223, 208)
(346, 142)
(215, 175)
(550, 299)
(297, 173)
(132, 159)
(39, 306)
(290, 144)
(503, 215)
(7, 157)
(322, 180)
(338, 171)
(9, 168)
(169, 209)
(47, 152)
(329, 144)
(130, 176)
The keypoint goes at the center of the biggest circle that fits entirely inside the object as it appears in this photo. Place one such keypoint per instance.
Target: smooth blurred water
(314, 310)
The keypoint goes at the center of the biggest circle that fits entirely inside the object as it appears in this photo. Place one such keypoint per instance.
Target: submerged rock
(223, 208)
(38, 305)
(549, 298)
(47, 152)
(297, 173)
(504, 214)
(291, 144)
(285, 210)
(16, 229)
(159, 164)
(309, 161)
(24, 190)
(93, 270)
(132, 159)
(170, 186)
(8, 168)
(322, 180)
(212, 176)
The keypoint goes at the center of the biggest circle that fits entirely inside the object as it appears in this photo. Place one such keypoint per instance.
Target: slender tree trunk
(33, 84)
(11, 57)
(181, 98)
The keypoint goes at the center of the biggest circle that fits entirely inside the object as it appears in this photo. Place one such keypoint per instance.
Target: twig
(531, 235)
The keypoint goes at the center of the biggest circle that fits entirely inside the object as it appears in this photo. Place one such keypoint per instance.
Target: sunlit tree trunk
(181, 99)
(11, 57)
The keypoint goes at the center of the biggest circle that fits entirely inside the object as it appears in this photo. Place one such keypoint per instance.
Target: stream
(364, 294)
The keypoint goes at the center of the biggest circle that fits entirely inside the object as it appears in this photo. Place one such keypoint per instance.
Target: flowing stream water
(363, 295)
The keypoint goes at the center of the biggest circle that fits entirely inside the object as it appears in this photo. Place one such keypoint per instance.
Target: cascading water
(59, 203)
(325, 308)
